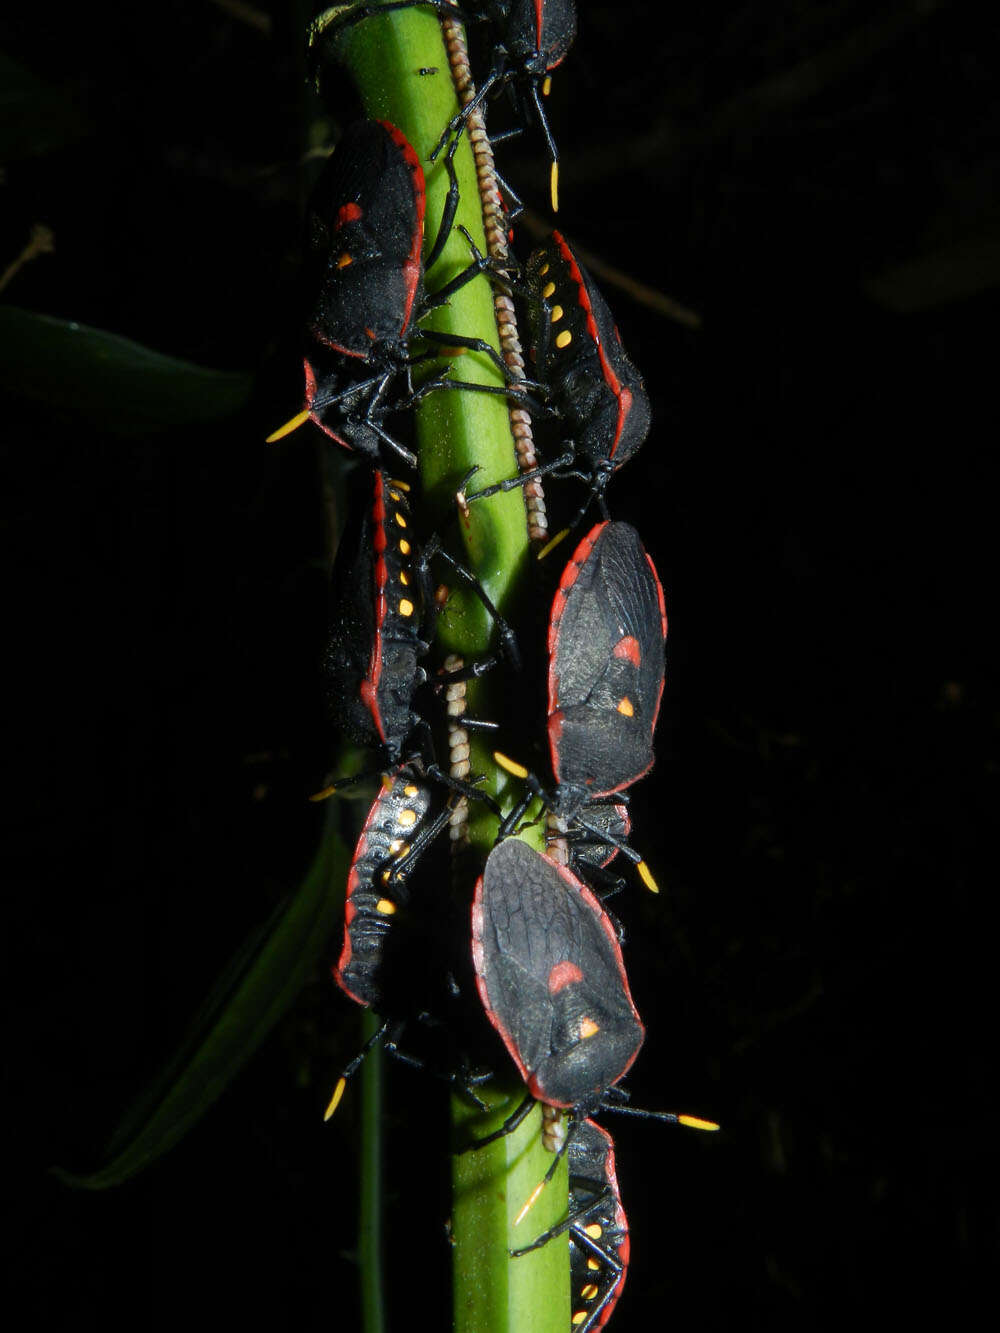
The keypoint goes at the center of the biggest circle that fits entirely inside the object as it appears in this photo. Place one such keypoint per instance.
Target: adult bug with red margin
(606, 637)
(551, 977)
(364, 276)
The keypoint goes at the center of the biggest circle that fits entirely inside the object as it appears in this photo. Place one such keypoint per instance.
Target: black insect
(399, 827)
(591, 385)
(383, 623)
(598, 1230)
(365, 278)
(550, 974)
(607, 630)
(396, 956)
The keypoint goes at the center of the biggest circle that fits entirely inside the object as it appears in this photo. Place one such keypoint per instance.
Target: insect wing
(550, 974)
(606, 662)
(365, 229)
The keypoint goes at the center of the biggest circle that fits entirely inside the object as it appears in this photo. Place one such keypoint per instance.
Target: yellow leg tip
(338, 1092)
(646, 877)
(530, 1204)
(518, 770)
(551, 545)
(693, 1122)
(554, 186)
(298, 420)
(323, 795)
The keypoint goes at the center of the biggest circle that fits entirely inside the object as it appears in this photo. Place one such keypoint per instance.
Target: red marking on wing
(413, 265)
(629, 649)
(563, 974)
(624, 396)
(310, 398)
(659, 593)
(346, 213)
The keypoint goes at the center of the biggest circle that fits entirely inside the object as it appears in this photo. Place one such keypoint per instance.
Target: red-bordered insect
(364, 275)
(591, 385)
(607, 630)
(598, 1230)
(384, 613)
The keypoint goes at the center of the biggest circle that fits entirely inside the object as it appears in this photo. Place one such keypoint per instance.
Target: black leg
(512, 1122)
(568, 1223)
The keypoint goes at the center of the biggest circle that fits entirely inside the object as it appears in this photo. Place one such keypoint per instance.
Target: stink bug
(591, 384)
(607, 630)
(365, 276)
(598, 1230)
(383, 621)
(384, 959)
(397, 830)
(550, 974)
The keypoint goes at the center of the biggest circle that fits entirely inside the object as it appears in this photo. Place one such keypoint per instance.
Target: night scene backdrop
(817, 183)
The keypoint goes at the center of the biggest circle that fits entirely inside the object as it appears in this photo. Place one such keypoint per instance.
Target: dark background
(818, 182)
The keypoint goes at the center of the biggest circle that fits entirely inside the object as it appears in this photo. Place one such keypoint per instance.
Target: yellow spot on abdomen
(406, 607)
(385, 907)
(564, 339)
(588, 1028)
(625, 707)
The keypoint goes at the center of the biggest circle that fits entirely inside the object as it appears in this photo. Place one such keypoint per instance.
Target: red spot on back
(629, 649)
(346, 213)
(563, 974)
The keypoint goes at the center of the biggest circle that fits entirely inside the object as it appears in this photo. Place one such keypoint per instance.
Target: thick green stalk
(456, 430)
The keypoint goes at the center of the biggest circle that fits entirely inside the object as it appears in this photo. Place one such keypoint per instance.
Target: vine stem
(385, 55)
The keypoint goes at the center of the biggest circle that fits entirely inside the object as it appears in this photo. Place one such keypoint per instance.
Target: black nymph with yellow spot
(384, 613)
(597, 1226)
(592, 388)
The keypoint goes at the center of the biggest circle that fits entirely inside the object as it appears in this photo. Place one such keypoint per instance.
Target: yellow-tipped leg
(551, 545)
(298, 420)
(338, 1092)
(531, 1202)
(323, 795)
(511, 766)
(693, 1122)
(547, 85)
(554, 186)
(646, 876)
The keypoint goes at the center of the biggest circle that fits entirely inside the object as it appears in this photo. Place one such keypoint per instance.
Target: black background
(818, 182)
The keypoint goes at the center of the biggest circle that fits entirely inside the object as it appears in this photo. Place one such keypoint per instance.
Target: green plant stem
(370, 1202)
(458, 429)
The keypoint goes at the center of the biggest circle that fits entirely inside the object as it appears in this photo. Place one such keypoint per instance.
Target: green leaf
(34, 118)
(256, 989)
(109, 381)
